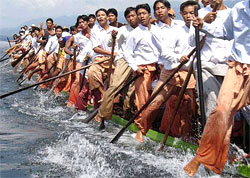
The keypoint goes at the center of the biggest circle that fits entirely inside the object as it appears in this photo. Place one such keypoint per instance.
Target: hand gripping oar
(93, 114)
(179, 99)
(116, 138)
(199, 72)
(48, 80)
(14, 63)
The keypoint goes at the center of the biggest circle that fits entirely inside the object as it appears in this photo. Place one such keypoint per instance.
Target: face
(213, 2)
(143, 17)
(188, 15)
(132, 19)
(36, 32)
(58, 33)
(91, 21)
(102, 18)
(79, 28)
(49, 24)
(83, 24)
(112, 18)
(205, 2)
(73, 32)
(161, 12)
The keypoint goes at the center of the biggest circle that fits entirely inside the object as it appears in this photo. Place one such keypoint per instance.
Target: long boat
(243, 170)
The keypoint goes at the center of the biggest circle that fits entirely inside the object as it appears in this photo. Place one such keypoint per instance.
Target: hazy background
(16, 13)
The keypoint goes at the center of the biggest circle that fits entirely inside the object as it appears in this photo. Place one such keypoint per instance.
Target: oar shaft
(179, 99)
(111, 61)
(9, 41)
(94, 113)
(48, 80)
(115, 139)
(199, 72)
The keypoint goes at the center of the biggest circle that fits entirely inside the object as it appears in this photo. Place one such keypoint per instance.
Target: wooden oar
(14, 63)
(199, 73)
(179, 99)
(216, 6)
(48, 80)
(83, 75)
(93, 114)
(150, 99)
(57, 80)
(9, 41)
(4, 56)
(31, 62)
(4, 59)
(107, 82)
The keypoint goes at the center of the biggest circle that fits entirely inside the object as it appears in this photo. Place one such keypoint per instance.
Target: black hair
(83, 17)
(188, 3)
(35, 28)
(113, 11)
(73, 28)
(165, 2)
(128, 10)
(143, 6)
(92, 16)
(101, 9)
(58, 26)
(50, 19)
(66, 29)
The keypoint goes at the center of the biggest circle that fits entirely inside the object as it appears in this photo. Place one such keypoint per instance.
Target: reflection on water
(41, 137)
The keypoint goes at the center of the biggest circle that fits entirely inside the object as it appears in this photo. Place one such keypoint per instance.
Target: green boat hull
(243, 170)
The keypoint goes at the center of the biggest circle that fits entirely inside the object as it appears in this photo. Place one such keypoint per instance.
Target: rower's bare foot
(29, 76)
(192, 167)
(97, 118)
(139, 136)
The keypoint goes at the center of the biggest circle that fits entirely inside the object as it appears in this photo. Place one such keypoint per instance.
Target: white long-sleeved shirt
(140, 48)
(121, 39)
(52, 45)
(215, 51)
(84, 46)
(34, 44)
(100, 37)
(173, 44)
(237, 27)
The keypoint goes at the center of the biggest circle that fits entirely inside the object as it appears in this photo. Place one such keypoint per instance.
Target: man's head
(59, 30)
(73, 30)
(49, 23)
(143, 13)
(161, 8)
(187, 11)
(213, 2)
(205, 2)
(102, 17)
(112, 15)
(82, 22)
(92, 19)
(36, 30)
(131, 16)
(65, 29)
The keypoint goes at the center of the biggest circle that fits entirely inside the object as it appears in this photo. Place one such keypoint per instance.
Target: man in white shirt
(122, 70)
(234, 93)
(51, 51)
(214, 55)
(97, 73)
(142, 56)
(83, 46)
(174, 48)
